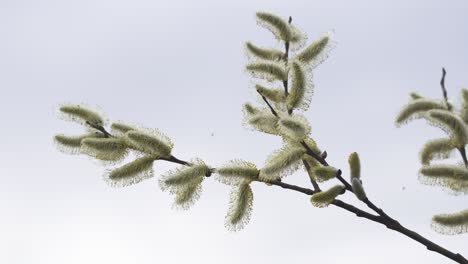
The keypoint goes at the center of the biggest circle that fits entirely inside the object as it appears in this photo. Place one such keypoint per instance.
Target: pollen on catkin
(270, 71)
(72, 144)
(240, 207)
(358, 189)
(325, 198)
(301, 91)
(250, 110)
(453, 178)
(264, 53)
(154, 142)
(324, 173)
(436, 149)
(176, 179)
(236, 172)
(451, 124)
(354, 165)
(282, 163)
(451, 224)
(317, 52)
(464, 108)
(263, 121)
(295, 127)
(105, 149)
(81, 114)
(131, 173)
(416, 109)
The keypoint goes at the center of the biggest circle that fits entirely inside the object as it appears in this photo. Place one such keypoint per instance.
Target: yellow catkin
(105, 149)
(316, 52)
(176, 179)
(264, 53)
(188, 194)
(277, 25)
(240, 207)
(295, 127)
(324, 173)
(358, 189)
(72, 144)
(270, 71)
(301, 89)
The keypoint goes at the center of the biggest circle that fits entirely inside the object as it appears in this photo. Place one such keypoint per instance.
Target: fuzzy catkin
(188, 194)
(236, 172)
(453, 178)
(451, 224)
(131, 173)
(154, 143)
(316, 52)
(295, 127)
(282, 163)
(358, 189)
(436, 149)
(263, 121)
(416, 109)
(121, 128)
(277, 25)
(301, 89)
(272, 94)
(464, 108)
(72, 144)
(105, 149)
(324, 173)
(325, 198)
(264, 53)
(451, 124)
(270, 71)
(183, 176)
(81, 114)
(240, 207)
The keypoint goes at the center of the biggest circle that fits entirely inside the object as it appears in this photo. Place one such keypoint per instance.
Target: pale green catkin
(451, 224)
(354, 165)
(282, 163)
(236, 172)
(324, 173)
(264, 53)
(325, 198)
(277, 25)
(301, 89)
(81, 114)
(72, 144)
(316, 52)
(154, 143)
(270, 71)
(272, 94)
(436, 149)
(105, 149)
(120, 128)
(250, 110)
(263, 121)
(358, 189)
(188, 194)
(240, 207)
(295, 127)
(464, 109)
(454, 178)
(131, 173)
(416, 109)
(415, 96)
(451, 124)
(176, 179)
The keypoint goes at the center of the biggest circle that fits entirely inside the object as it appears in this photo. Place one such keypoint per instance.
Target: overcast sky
(178, 66)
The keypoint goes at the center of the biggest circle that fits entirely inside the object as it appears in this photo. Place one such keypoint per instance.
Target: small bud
(354, 165)
(358, 189)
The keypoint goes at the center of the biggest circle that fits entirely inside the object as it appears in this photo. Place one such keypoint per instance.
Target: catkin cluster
(451, 177)
(283, 79)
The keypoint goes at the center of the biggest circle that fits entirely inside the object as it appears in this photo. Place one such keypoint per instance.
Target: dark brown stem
(268, 103)
(100, 129)
(444, 91)
(314, 183)
(176, 160)
(463, 154)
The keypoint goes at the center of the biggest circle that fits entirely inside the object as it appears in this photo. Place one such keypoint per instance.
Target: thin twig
(444, 91)
(268, 103)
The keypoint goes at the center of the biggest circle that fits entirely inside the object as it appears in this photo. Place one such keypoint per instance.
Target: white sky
(178, 66)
